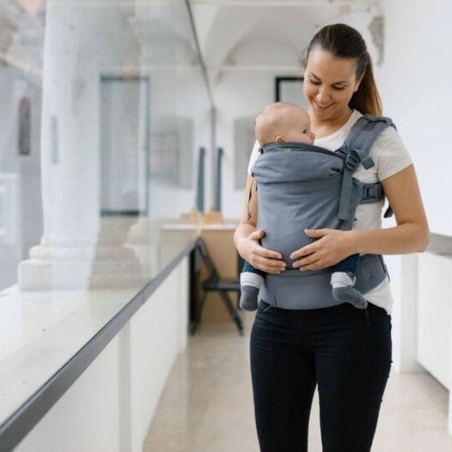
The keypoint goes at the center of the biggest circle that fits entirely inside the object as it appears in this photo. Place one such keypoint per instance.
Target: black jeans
(344, 350)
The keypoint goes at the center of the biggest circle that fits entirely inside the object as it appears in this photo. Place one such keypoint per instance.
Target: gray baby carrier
(302, 187)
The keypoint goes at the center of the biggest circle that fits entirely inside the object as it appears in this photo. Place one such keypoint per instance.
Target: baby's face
(300, 129)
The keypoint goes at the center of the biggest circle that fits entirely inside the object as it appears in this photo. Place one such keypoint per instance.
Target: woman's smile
(323, 105)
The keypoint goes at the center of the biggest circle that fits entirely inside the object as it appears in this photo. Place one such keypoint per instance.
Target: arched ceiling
(232, 34)
(226, 26)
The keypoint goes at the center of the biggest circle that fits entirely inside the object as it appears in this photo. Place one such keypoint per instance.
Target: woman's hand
(247, 237)
(259, 257)
(330, 247)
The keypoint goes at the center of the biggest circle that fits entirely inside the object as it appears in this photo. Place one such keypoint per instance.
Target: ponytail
(367, 99)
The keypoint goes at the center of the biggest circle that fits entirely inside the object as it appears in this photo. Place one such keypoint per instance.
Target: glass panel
(104, 108)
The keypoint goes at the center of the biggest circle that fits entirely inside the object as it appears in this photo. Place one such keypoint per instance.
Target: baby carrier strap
(355, 150)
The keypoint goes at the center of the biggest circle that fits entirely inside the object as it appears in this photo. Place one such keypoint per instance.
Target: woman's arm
(247, 238)
(411, 234)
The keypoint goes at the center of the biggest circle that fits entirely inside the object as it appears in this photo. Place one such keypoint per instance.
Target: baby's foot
(249, 298)
(345, 292)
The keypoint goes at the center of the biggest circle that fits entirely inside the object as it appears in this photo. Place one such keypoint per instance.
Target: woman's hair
(343, 41)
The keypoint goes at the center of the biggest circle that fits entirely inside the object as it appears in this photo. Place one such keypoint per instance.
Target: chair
(214, 283)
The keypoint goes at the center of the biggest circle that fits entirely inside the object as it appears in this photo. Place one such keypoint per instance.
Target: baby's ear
(279, 139)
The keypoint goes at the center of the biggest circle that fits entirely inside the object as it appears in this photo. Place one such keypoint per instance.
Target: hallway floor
(206, 405)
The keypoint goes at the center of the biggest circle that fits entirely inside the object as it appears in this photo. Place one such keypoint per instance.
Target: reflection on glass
(103, 109)
(124, 144)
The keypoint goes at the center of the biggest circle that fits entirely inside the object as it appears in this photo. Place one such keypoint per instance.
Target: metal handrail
(20, 423)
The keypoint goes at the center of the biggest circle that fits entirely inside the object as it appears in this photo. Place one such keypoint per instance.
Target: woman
(346, 354)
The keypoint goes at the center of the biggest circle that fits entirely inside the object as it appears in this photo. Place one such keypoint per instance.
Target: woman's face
(329, 84)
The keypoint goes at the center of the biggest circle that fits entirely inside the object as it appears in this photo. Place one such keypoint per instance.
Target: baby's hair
(271, 121)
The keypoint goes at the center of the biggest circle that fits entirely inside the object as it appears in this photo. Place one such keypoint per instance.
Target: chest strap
(372, 193)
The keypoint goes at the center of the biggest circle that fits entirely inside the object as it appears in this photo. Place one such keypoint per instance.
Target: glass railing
(104, 107)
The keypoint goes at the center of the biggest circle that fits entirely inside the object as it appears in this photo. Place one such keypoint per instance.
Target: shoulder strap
(365, 131)
(355, 150)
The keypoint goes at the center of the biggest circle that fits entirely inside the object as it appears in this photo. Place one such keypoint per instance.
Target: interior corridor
(206, 405)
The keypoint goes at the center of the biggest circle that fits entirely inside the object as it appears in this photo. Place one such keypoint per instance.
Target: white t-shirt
(390, 157)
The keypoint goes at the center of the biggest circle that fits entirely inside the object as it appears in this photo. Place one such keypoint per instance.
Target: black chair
(215, 283)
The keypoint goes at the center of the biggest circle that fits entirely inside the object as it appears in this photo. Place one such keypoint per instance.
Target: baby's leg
(251, 280)
(343, 281)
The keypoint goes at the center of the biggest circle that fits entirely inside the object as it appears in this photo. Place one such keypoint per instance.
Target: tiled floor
(206, 405)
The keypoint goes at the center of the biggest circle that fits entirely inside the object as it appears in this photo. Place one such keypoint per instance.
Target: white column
(78, 40)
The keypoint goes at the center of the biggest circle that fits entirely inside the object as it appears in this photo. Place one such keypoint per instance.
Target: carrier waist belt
(295, 289)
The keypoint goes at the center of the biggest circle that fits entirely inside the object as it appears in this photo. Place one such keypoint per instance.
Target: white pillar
(77, 36)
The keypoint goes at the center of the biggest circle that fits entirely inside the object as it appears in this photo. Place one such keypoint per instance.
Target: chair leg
(232, 312)
(197, 319)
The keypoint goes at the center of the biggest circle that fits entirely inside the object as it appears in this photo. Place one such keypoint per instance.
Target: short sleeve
(254, 156)
(390, 154)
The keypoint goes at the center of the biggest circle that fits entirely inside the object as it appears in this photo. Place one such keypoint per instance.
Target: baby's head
(281, 122)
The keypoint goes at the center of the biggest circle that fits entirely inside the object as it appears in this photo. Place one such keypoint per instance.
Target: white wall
(417, 93)
(180, 93)
(110, 407)
(434, 319)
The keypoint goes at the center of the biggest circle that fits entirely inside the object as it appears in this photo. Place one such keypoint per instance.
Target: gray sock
(344, 291)
(249, 298)
(349, 294)
(250, 283)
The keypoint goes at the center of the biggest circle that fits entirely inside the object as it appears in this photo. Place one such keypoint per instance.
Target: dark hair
(343, 41)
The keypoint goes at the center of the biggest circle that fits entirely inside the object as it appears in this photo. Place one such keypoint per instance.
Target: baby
(278, 123)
